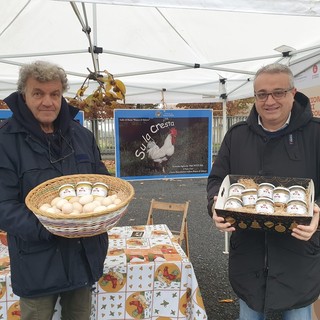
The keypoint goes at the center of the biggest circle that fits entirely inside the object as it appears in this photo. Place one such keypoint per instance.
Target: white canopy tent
(182, 51)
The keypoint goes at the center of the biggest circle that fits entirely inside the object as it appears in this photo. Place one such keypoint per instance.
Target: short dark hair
(276, 68)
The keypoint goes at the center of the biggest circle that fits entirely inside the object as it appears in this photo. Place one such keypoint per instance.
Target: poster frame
(164, 115)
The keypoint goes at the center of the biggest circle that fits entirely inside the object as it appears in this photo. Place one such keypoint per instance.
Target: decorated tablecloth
(146, 276)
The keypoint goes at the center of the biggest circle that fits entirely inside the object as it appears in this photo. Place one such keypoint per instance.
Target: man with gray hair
(270, 270)
(39, 142)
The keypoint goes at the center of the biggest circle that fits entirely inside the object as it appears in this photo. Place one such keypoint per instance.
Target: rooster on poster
(160, 154)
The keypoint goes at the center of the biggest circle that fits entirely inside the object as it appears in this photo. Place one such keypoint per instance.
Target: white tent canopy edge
(286, 7)
(173, 59)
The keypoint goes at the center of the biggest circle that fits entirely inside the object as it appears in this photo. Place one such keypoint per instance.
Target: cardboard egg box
(280, 221)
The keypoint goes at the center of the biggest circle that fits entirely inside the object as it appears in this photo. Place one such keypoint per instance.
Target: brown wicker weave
(83, 224)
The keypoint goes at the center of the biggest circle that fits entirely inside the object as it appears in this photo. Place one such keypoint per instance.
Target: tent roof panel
(150, 45)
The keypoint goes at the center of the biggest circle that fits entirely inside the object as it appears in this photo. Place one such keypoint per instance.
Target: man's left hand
(303, 232)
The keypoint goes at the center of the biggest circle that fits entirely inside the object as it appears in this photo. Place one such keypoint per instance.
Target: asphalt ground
(207, 244)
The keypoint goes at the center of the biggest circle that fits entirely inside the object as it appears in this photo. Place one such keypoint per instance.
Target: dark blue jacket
(42, 263)
(269, 270)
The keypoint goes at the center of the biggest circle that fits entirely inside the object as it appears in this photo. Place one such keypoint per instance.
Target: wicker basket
(83, 224)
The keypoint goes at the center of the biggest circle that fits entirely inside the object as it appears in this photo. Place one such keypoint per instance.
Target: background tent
(184, 51)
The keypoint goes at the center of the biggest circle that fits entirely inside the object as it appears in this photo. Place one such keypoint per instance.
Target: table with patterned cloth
(146, 276)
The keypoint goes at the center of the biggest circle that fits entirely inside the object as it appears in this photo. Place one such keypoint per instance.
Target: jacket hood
(24, 116)
(301, 114)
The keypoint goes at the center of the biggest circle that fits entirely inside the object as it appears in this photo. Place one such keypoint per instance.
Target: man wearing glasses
(269, 270)
(43, 141)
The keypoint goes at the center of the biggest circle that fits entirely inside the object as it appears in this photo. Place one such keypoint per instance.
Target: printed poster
(308, 83)
(157, 144)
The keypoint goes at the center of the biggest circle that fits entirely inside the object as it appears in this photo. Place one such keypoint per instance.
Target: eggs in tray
(81, 204)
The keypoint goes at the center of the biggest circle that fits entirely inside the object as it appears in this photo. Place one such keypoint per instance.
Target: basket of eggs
(80, 205)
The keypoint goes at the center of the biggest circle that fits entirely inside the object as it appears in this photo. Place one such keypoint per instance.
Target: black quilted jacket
(270, 270)
(42, 263)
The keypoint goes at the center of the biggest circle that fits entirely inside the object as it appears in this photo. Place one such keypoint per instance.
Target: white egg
(45, 206)
(86, 199)
(77, 206)
(99, 208)
(75, 212)
(89, 207)
(98, 198)
(51, 210)
(97, 203)
(106, 201)
(60, 203)
(67, 208)
(74, 199)
(117, 201)
(55, 200)
(111, 206)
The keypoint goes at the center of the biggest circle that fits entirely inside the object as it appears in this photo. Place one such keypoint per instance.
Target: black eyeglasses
(276, 94)
(52, 159)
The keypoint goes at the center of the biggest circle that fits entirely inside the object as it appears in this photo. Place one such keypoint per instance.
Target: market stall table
(146, 276)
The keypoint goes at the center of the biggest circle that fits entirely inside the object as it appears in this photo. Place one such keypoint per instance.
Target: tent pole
(224, 130)
(86, 29)
(226, 243)
(95, 30)
(164, 105)
(223, 97)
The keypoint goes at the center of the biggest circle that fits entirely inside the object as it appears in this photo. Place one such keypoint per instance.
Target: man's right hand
(219, 221)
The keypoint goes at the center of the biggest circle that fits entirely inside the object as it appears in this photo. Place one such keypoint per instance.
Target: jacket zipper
(266, 267)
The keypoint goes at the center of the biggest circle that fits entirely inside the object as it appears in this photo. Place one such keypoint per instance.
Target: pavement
(206, 243)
